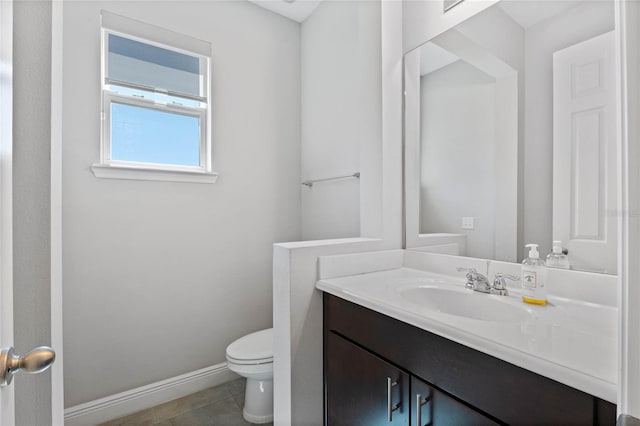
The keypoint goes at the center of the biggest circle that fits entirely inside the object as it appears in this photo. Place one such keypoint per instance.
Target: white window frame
(154, 36)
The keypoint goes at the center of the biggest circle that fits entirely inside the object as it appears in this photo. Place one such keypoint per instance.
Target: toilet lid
(254, 346)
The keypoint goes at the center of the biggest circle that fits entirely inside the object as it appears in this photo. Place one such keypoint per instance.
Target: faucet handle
(471, 276)
(509, 276)
(500, 285)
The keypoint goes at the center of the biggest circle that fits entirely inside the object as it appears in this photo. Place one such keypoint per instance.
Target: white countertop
(573, 342)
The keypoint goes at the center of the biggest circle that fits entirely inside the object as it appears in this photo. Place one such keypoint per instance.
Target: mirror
(510, 135)
(450, 4)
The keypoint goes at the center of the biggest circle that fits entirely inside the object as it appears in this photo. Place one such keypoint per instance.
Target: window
(155, 104)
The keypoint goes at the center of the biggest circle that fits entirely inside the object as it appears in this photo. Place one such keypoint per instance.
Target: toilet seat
(249, 361)
(252, 349)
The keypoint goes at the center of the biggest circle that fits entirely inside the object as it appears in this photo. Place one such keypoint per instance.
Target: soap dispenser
(534, 277)
(557, 258)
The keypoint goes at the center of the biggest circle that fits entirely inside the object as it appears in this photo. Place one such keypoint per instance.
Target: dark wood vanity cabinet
(365, 352)
(363, 389)
(357, 387)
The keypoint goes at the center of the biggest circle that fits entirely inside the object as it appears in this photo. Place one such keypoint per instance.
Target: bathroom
(142, 282)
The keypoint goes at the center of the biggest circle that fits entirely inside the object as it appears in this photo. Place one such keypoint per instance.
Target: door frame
(57, 374)
(7, 395)
(627, 16)
(7, 409)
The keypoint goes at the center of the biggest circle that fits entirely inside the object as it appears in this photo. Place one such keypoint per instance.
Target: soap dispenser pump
(557, 258)
(534, 277)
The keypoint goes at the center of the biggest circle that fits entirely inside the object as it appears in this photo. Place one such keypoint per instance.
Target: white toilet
(251, 356)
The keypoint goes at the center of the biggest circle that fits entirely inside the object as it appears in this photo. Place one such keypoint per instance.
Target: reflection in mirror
(510, 134)
(449, 4)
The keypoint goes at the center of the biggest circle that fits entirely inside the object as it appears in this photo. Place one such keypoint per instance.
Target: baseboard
(131, 401)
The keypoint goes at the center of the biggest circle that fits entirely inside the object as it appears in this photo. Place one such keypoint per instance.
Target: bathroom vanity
(496, 120)
(407, 346)
(441, 381)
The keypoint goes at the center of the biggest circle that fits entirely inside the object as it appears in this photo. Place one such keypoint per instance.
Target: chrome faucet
(478, 282)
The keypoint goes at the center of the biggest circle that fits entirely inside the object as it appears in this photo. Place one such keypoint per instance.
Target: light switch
(467, 223)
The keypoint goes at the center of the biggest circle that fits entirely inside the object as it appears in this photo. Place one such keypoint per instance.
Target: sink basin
(464, 303)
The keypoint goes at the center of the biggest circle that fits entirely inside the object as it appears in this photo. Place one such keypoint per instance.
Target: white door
(584, 153)
(41, 358)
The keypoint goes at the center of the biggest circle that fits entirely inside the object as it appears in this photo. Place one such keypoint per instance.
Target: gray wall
(31, 195)
(458, 144)
(341, 114)
(500, 34)
(160, 277)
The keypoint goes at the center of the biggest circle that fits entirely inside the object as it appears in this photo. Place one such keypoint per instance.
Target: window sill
(106, 171)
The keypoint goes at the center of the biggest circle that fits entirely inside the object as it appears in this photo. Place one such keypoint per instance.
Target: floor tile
(191, 418)
(142, 418)
(223, 412)
(217, 406)
(190, 402)
(236, 387)
(239, 399)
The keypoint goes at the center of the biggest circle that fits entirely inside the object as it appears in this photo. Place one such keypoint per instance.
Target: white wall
(458, 143)
(31, 207)
(573, 26)
(423, 20)
(493, 42)
(497, 32)
(297, 303)
(340, 64)
(298, 385)
(500, 34)
(160, 277)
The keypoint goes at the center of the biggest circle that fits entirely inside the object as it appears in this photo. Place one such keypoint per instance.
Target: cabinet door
(435, 408)
(356, 387)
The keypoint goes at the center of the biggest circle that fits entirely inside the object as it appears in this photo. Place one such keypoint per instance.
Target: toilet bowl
(251, 356)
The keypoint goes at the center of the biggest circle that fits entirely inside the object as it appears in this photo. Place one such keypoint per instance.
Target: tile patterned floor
(221, 405)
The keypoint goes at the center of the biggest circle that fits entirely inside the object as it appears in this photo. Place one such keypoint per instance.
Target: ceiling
(529, 13)
(526, 13)
(434, 57)
(297, 10)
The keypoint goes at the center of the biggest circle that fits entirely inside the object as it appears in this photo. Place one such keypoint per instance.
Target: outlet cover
(467, 223)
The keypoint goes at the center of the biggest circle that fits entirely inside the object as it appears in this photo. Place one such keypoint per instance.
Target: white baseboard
(131, 401)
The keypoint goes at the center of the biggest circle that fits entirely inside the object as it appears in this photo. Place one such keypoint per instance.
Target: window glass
(149, 135)
(143, 64)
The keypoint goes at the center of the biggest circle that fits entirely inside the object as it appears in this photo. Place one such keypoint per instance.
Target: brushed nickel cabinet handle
(390, 407)
(35, 361)
(419, 404)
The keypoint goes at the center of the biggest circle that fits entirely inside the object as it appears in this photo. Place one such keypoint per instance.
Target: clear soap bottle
(534, 278)
(557, 259)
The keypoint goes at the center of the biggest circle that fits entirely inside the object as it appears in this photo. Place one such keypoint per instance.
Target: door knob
(35, 361)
